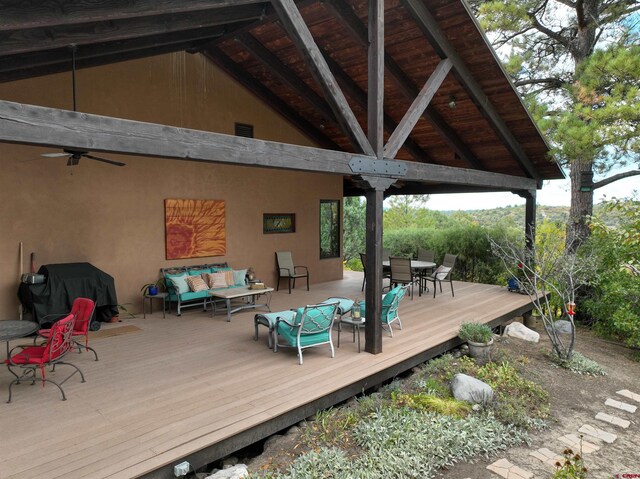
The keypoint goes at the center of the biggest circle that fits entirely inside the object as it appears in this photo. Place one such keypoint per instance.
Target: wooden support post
(530, 219)
(373, 291)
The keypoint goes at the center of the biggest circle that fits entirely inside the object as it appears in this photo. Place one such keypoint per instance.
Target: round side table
(151, 297)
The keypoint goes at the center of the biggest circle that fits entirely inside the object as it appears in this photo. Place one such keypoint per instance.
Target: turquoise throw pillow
(238, 276)
(180, 283)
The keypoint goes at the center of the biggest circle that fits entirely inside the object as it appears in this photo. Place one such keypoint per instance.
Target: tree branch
(611, 179)
(555, 82)
(548, 32)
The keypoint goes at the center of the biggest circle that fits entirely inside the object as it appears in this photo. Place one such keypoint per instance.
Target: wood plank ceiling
(475, 119)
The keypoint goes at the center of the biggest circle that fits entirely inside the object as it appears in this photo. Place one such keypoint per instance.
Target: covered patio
(198, 388)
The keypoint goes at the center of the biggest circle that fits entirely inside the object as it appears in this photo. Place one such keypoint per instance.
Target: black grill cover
(66, 282)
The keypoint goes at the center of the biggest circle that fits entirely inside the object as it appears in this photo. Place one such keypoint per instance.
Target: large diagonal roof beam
(430, 28)
(101, 31)
(300, 35)
(359, 96)
(262, 92)
(345, 14)
(417, 108)
(41, 126)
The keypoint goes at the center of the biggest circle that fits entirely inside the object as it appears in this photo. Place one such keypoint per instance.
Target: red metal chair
(31, 359)
(82, 309)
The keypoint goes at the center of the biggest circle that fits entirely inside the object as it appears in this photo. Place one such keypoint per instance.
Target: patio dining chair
(443, 273)
(386, 270)
(310, 327)
(402, 273)
(31, 361)
(82, 310)
(286, 269)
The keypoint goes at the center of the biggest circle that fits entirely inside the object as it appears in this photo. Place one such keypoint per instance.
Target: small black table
(15, 328)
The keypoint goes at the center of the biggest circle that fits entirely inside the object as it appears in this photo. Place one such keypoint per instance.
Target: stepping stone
(628, 394)
(616, 421)
(547, 456)
(598, 433)
(621, 405)
(504, 468)
(573, 441)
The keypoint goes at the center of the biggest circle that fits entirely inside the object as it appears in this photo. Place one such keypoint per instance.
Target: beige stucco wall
(114, 217)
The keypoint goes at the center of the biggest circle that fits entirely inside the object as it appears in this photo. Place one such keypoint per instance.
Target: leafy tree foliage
(578, 64)
(354, 228)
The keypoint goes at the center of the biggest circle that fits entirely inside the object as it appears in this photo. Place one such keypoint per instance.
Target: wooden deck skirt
(195, 388)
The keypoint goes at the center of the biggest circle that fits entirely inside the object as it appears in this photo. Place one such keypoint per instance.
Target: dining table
(15, 329)
(420, 267)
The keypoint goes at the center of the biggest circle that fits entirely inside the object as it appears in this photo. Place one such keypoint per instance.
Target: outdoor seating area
(167, 414)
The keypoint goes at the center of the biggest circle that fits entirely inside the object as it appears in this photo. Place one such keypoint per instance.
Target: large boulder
(466, 388)
(520, 331)
(562, 326)
(235, 472)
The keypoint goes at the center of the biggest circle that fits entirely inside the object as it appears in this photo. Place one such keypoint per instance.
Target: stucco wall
(114, 217)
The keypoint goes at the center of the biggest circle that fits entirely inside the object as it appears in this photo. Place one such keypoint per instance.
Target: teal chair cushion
(194, 295)
(270, 318)
(198, 272)
(344, 304)
(290, 336)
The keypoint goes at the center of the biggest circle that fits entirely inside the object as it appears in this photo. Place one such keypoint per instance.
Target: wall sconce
(452, 102)
(586, 181)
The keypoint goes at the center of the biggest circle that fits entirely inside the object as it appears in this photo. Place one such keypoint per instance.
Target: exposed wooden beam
(299, 33)
(375, 62)
(358, 32)
(23, 41)
(359, 96)
(417, 108)
(286, 76)
(262, 92)
(27, 15)
(36, 125)
(430, 28)
(89, 55)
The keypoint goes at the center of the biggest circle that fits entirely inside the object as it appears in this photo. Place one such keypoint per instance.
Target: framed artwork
(278, 223)
(194, 228)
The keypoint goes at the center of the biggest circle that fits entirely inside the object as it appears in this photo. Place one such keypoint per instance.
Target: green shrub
(475, 332)
(580, 365)
(427, 402)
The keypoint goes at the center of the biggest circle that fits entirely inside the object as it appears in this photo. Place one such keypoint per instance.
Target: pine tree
(577, 63)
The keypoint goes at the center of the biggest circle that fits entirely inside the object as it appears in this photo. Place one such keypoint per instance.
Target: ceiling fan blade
(55, 155)
(104, 160)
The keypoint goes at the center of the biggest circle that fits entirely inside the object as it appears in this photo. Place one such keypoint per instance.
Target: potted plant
(152, 288)
(479, 337)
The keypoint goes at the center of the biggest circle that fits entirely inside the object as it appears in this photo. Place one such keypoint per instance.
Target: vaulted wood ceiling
(488, 129)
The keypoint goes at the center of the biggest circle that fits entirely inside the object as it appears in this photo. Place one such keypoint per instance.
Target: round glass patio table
(16, 328)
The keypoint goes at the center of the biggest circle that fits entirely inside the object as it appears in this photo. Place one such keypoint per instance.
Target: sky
(553, 193)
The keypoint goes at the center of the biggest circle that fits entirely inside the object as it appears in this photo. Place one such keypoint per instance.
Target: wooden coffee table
(242, 292)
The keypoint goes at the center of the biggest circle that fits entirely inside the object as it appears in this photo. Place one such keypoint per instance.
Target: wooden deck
(199, 388)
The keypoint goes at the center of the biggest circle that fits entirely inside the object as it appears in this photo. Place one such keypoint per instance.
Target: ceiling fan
(72, 154)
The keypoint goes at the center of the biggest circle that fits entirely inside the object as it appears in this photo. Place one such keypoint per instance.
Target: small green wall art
(278, 223)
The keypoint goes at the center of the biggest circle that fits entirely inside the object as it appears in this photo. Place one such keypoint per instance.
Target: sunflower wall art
(194, 228)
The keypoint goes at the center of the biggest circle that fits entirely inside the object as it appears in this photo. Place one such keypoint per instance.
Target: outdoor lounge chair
(310, 327)
(390, 304)
(442, 274)
(82, 310)
(286, 269)
(30, 360)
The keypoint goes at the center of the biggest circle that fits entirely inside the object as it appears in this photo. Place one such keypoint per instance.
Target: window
(242, 129)
(329, 229)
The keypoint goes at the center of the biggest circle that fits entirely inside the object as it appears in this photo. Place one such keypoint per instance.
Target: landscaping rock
(229, 462)
(269, 443)
(234, 472)
(520, 331)
(562, 326)
(467, 388)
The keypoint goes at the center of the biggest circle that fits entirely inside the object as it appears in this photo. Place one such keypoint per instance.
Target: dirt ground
(575, 401)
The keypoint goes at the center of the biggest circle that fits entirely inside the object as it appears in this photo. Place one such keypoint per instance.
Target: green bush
(475, 332)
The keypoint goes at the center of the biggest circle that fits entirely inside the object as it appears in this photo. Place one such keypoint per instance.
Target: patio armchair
(310, 327)
(390, 303)
(443, 273)
(30, 361)
(82, 310)
(286, 269)
(402, 273)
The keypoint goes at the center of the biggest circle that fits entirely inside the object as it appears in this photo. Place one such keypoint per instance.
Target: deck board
(183, 384)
